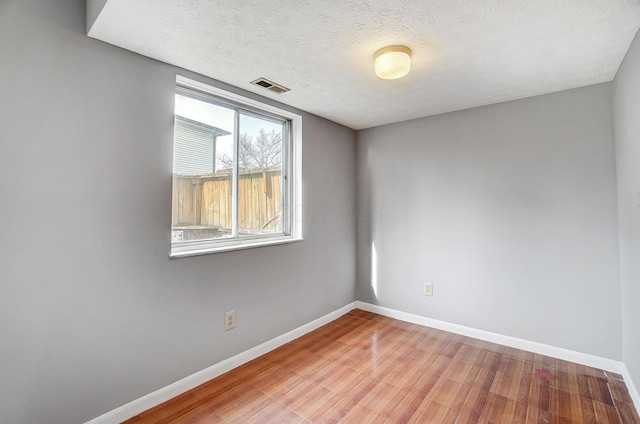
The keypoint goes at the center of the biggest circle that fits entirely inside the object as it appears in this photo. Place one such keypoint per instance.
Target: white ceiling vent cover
(270, 85)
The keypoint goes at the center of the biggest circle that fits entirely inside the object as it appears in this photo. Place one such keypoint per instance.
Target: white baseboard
(137, 406)
(543, 349)
(633, 390)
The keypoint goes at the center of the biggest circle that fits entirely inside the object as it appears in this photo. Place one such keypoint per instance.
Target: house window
(236, 172)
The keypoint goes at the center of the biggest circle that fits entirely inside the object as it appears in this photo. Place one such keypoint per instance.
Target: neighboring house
(195, 147)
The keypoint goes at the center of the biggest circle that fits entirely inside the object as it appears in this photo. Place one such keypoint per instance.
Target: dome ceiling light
(392, 62)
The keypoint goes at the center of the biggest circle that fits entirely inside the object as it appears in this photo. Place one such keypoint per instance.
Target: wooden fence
(204, 201)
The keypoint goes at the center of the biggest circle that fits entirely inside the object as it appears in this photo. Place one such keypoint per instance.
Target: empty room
(340, 211)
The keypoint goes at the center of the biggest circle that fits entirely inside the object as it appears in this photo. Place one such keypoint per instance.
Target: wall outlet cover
(229, 320)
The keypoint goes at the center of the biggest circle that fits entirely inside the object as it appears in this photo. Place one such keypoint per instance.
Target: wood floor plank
(536, 416)
(433, 412)
(511, 386)
(627, 413)
(450, 394)
(619, 391)
(499, 409)
(366, 368)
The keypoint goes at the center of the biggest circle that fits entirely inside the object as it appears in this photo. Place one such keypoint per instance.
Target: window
(236, 172)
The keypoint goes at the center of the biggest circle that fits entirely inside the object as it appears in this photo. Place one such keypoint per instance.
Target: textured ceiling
(465, 52)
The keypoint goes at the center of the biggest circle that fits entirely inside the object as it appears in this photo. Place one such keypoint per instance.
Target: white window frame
(293, 195)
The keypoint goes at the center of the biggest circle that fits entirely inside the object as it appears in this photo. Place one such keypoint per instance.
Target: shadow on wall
(369, 258)
(374, 269)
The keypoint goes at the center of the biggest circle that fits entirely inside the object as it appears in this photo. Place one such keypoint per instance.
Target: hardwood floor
(366, 368)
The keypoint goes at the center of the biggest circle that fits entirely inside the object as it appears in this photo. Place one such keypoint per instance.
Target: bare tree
(265, 151)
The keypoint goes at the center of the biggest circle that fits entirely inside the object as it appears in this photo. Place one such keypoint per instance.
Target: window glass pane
(260, 183)
(202, 170)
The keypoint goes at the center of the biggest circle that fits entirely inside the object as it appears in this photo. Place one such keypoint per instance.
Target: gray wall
(509, 209)
(627, 127)
(93, 314)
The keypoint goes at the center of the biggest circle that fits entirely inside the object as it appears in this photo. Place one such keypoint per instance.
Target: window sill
(197, 250)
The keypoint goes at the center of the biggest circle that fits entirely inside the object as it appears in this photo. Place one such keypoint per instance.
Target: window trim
(293, 195)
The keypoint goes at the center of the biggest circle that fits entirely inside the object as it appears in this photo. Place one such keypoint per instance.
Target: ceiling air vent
(270, 85)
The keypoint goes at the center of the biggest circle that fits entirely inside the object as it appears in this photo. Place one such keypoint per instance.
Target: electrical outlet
(229, 320)
(428, 289)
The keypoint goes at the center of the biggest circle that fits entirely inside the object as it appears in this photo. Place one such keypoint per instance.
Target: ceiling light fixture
(392, 62)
